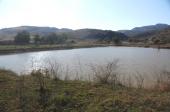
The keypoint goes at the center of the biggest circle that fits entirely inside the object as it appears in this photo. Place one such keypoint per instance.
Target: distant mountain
(9, 33)
(144, 30)
(162, 36)
(97, 34)
(156, 36)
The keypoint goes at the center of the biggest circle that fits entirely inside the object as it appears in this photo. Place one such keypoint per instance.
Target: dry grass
(75, 96)
(163, 81)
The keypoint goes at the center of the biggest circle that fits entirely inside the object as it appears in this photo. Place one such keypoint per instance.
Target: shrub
(106, 74)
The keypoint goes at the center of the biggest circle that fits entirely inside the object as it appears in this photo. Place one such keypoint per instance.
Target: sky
(78, 14)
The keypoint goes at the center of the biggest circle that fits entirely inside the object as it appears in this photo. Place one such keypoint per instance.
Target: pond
(131, 60)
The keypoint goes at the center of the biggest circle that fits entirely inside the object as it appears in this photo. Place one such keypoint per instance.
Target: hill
(144, 30)
(97, 34)
(162, 36)
(156, 37)
(9, 33)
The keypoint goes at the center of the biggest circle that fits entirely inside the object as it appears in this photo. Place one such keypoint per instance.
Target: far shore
(12, 49)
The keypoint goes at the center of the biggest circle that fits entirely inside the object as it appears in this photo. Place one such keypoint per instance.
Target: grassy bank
(41, 93)
(7, 49)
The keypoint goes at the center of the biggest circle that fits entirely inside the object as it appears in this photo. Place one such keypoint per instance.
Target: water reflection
(131, 59)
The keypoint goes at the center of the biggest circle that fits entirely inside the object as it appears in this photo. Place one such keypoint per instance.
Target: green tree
(37, 39)
(62, 38)
(117, 41)
(51, 38)
(55, 38)
(22, 37)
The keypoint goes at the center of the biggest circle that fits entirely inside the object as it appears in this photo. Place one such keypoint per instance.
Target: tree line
(24, 37)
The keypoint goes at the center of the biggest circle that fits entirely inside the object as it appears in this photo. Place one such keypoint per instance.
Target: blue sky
(77, 14)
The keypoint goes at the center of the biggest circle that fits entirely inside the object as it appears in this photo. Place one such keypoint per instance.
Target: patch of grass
(24, 94)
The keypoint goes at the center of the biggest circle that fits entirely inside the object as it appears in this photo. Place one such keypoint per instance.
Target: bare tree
(54, 69)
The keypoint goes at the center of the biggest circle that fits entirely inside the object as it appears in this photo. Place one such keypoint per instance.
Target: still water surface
(131, 60)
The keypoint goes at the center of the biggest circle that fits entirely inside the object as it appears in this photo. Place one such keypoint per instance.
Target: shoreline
(34, 48)
(50, 48)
